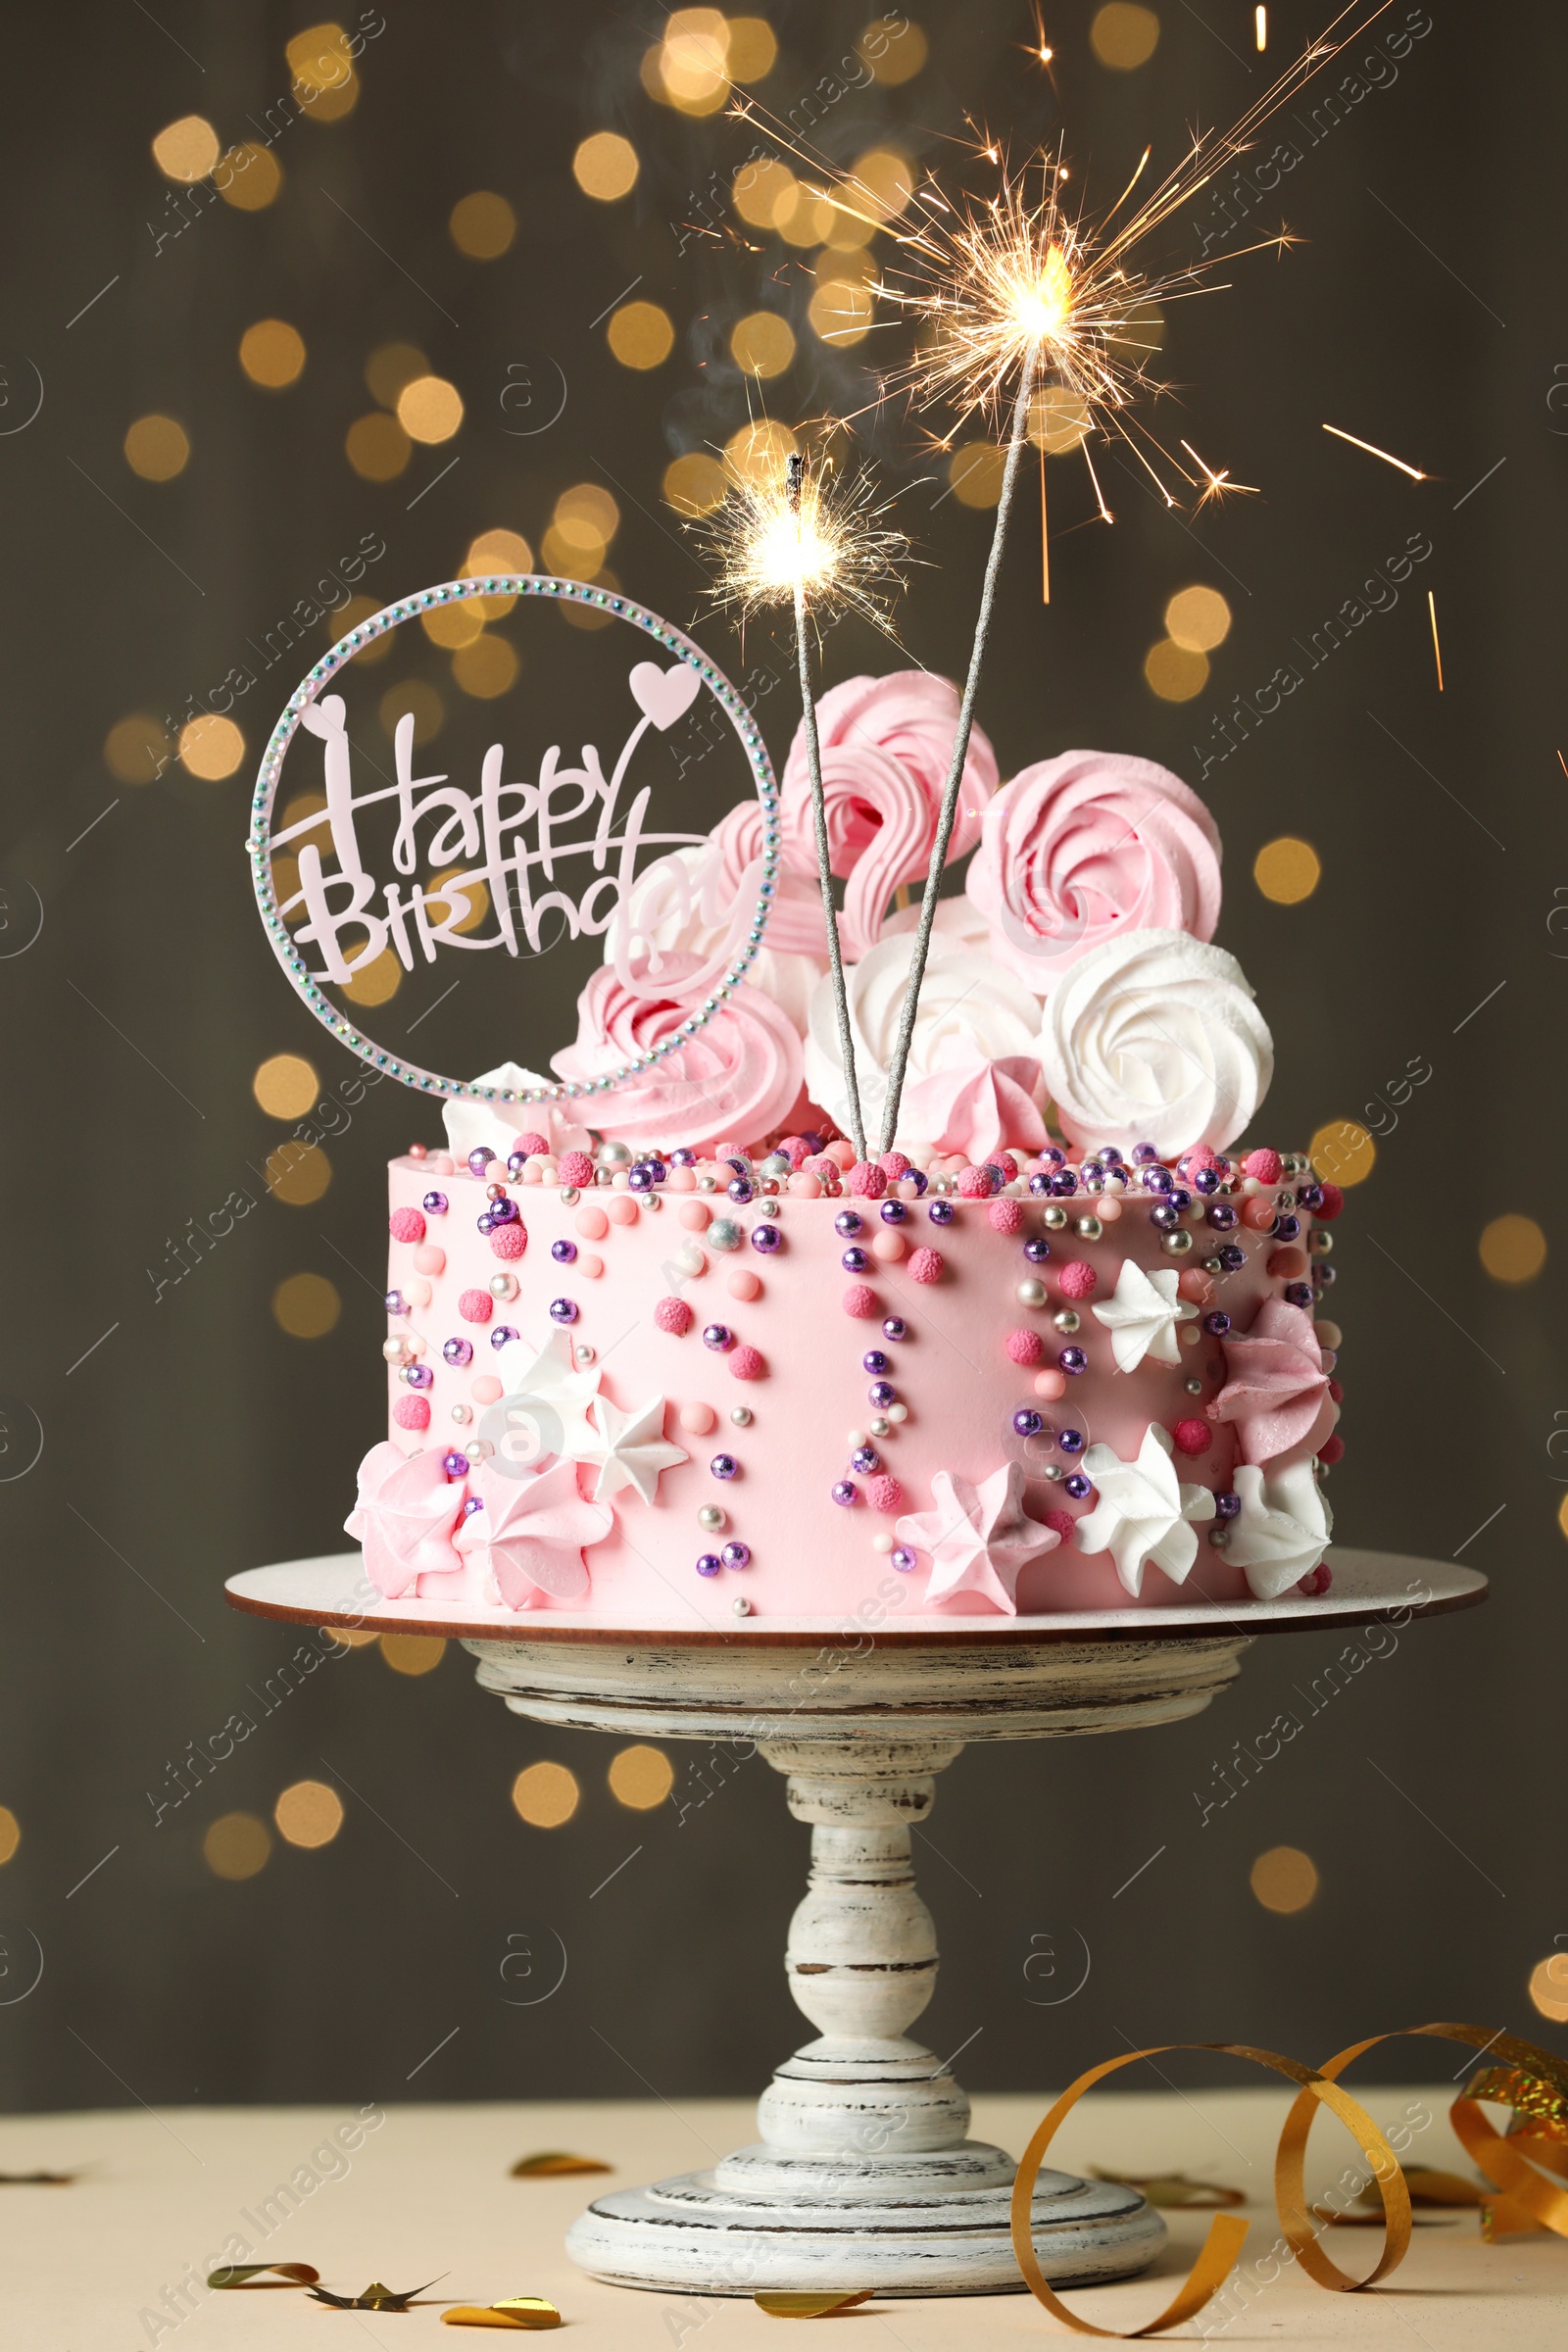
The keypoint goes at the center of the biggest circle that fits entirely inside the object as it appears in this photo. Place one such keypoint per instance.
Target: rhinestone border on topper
(411, 607)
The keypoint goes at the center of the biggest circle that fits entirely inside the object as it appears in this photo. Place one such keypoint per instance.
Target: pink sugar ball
(744, 1285)
(622, 1208)
(591, 1223)
(698, 1419)
(1051, 1384)
(486, 1390)
(1005, 1217)
(474, 1307)
(888, 1245)
(428, 1259)
(1332, 1450)
(510, 1241)
(796, 1151)
(884, 1493)
(822, 1167)
(407, 1225)
(1077, 1279)
(1316, 1580)
(531, 1144)
(859, 1300)
(1193, 1437)
(412, 1412)
(1008, 1166)
(925, 1265)
(1063, 1522)
(696, 1215)
(673, 1315)
(974, 1185)
(575, 1167)
(841, 1154)
(1025, 1347)
(804, 1187)
(868, 1181)
(1266, 1167)
(746, 1363)
(894, 1164)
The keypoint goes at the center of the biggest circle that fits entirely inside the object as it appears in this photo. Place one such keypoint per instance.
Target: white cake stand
(863, 2176)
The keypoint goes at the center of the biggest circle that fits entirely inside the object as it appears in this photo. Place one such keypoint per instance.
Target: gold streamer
(1530, 2081)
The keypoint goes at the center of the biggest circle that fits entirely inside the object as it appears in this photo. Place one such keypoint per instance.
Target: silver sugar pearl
(741, 1416)
(569, 1196)
(741, 1606)
(1066, 1320)
(1090, 1229)
(708, 1184)
(1054, 1218)
(503, 1286)
(1031, 1292)
(461, 1414)
(653, 1200)
(1053, 1471)
(477, 1450)
(1213, 1265)
(1194, 1388)
(723, 1234)
(1219, 1537)
(710, 1517)
(769, 1208)
(878, 1428)
(583, 1352)
(1322, 1242)
(614, 1156)
(1176, 1245)
(604, 1176)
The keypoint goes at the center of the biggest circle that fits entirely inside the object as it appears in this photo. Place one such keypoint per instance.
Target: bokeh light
(138, 749)
(474, 894)
(894, 50)
(430, 409)
(9, 1835)
(186, 150)
(452, 626)
(1059, 421)
(689, 69)
(803, 219)
(762, 191)
(236, 1845)
(589, 509)
(353, 616)
(760, 451)
(389, 368)
(1175, 672)
(306, 1305)
(1343, 1152)
(298, 1173)
(482, 225)
(376, 447)
(309, 1813)
(1284, 1879)
(841, 312)
(605, 167)
(285, 1086)
(375, 982)
(248, 176)
(272, 353)
(322, 66)
(545, 1795)
(1548, 1987)
(1513, 1248)
(976, 472)
(640, 334)
(485, 669)
(885, 183)
(211, 747)
(497, 550)
(1198, 619)
(1124, 37)
(763, 343)
(349, 1637)
(157, 447)
(641, 1777)
(590, 616)
(1287, 870)
(695, 484)
(412, 1654)
(418, 699)
(752, 50)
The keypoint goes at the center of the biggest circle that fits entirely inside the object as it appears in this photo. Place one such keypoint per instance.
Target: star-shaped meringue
(560, 1391)
(532, 1531)
(1283, 1528)
(1142, 1512)
(404, 1515)
(1277, 1394)
(978, 1538)
(1143, 1314)
(630, 1448)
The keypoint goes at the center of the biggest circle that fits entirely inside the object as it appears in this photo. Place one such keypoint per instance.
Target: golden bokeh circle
(306, 1305)
(414, 698)
(1059, 421)
(186, 150)
(841, 312)
(1287, 870)
(389, 368)
(211, 747)
(572, 552)
(412, 1654)
(236, 1845)
(1197, 618)
(375, 982)
(752, 50)
(430, 409)
(247, 178)
(1284, 1880)
(975, 471)
(759, 452)
(695, 484)
(1548, 1987)
(272, 353)
(1174, 671)
(492, 551)
(453, 626)
(641, 1777)
(10, 1833)
(157, 447)
(353, 616)
(544, 1795)
(884, 182)
(298, 1173)
(482, 225)
(587, 510)
(376, 447)
(1123, 36)
(803, 219)
(1563, 1514)
(309, 1813)
(760, 190)
(606, 167)
(1513, 1248)
(136, 749)
(285, 1085)
(640, 335)
(485, 669)
(763, 343)
(893, 57)
(694, 59)
(1343, 1152)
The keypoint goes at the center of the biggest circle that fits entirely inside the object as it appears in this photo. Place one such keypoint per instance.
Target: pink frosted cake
(1058, 1350)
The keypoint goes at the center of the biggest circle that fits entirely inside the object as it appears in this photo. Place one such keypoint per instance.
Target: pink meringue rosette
(886, 744)
(1076, 850)
(1277, 1394)
(739, 1075)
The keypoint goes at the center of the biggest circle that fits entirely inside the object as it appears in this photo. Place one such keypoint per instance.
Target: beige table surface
(86, 2267)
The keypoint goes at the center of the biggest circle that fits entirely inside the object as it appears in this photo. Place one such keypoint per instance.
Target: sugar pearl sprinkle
(1058, 1228)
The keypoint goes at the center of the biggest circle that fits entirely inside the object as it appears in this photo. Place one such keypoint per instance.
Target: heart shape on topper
(665, 695)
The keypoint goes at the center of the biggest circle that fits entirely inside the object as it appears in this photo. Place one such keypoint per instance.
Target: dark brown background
(198, 1438)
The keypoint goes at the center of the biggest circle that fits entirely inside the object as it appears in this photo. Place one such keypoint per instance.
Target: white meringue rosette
(470, 1124)
(1155, 1038)
(1283, 1528)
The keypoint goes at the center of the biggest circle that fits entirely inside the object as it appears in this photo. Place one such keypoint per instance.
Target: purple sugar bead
(1324, 1275)
(1227, 1505)
(563, 1310)
(1037, 1249)
(1165, 1216)
(939, 1212)
(1073, 1360)
(1078, 1487)
(854, 1262)
(472, 1505)
(1179, 1197)
(502, 1335)
(1286, 1229)
(1071, 1440)
(1063, 1183)
(1217, 1324)
(458, 1352)
(419, 1376)
(479, 1158)
(875, 1359)
(902, 1559)
(1207, 1180)
(737, 1556)
(1052, 1158)
(740, 1189)
(894, 1213)
(1309, 1195)
(456, 1465)
(1298, 1294)
(563, 1252)
(882, 1394)
(485, 1221)
(719, 1336)
(683, 1159)
(767, 1238)
(640, 1177)
(865, 1460)
(723, 1465)
(1027, 1422)
(845, 1494)
(1144, 1153)
(1158, 1180)
(710, 1564)
(396, 1303)
(893, 1327)
(435, 1205)
(1039, 1181)
(914, 1177)
(1221, 1216)
(846, 1224)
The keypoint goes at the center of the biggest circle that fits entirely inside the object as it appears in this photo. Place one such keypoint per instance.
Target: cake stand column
(865, 2176)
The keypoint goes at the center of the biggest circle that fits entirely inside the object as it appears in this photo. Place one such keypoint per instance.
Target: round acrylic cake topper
(549, 862)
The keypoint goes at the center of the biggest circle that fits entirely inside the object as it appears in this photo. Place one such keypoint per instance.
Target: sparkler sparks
(807, 528)
(1373, 451)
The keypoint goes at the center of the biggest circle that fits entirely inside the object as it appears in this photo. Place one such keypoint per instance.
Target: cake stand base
(864, 2176)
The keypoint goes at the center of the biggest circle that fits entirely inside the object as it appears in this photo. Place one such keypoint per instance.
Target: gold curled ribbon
(1537, 2087)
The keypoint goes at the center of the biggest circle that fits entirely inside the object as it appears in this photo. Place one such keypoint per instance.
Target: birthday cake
(1057, 1345)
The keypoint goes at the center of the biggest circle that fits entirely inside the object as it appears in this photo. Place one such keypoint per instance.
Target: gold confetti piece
(513, 2311)
(376, 2297)
(37, 2180)
(551, 2164)
(276, 2274)
(1175, 2189)
(809, 2307)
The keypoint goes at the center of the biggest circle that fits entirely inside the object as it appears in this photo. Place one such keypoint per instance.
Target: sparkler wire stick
(814, 761)
(960, 753)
